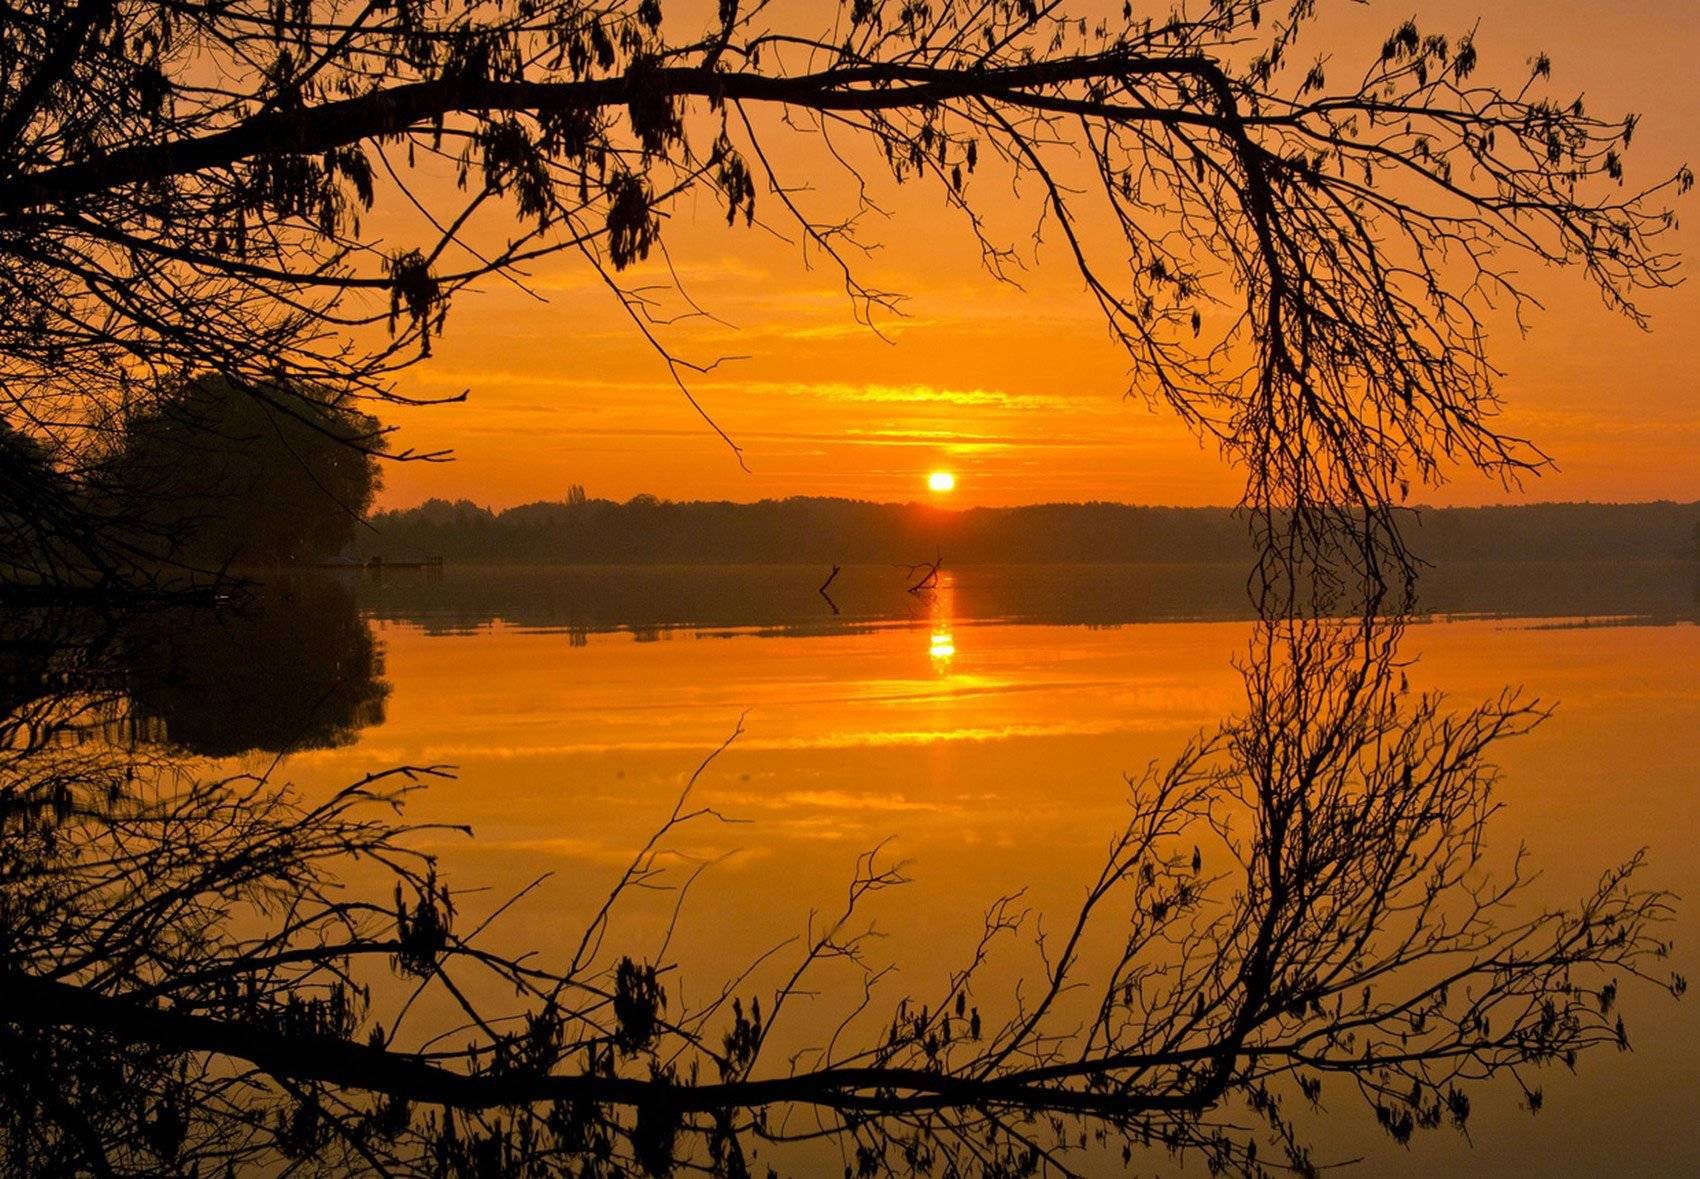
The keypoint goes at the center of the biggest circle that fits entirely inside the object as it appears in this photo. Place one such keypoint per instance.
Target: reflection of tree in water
(290, 668)
(276, 669)
(44, 660)
(1313, 909)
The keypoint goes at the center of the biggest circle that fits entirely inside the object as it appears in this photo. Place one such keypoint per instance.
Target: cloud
(923, 395)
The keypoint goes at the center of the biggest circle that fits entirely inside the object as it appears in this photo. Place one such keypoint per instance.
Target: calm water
(990, 734)
(983, 732)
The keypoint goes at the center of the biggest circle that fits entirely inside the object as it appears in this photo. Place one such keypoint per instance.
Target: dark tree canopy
(1297, 258)
(27, 480)
(215, 474)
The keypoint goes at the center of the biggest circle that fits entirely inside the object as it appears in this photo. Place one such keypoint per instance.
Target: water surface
(983, 732)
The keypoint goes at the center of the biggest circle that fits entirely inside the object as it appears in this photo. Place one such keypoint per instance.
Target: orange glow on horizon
(1019, 385)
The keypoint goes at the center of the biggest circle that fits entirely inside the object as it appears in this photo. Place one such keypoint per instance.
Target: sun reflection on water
(942, 647)
(941, 610)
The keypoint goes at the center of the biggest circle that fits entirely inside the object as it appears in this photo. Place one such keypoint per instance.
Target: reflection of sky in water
(995, 763)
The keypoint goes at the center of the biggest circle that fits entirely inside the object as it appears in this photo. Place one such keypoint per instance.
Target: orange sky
(1019, 391)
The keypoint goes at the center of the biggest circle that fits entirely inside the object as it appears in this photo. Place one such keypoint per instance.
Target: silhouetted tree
(1295, 255)
(51, 536)
(226, 474)
(28, 484)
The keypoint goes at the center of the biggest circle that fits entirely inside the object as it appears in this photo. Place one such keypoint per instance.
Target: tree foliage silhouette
(211, 473)
(1296, 255)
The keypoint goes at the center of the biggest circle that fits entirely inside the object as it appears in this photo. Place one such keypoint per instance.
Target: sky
(1019, 392)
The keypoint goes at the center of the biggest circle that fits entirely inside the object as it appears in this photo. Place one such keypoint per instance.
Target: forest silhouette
(646, 530)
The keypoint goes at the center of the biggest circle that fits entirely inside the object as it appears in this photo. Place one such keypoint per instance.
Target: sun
(941, 481)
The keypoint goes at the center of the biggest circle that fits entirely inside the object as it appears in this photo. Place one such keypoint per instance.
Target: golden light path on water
(992, 757)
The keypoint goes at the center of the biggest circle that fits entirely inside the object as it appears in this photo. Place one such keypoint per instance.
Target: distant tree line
(647, 530)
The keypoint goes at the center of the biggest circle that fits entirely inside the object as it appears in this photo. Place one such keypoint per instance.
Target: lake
(1102, 812)
(983, 733)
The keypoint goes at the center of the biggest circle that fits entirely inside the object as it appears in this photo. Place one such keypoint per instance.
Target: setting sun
(941, 481)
